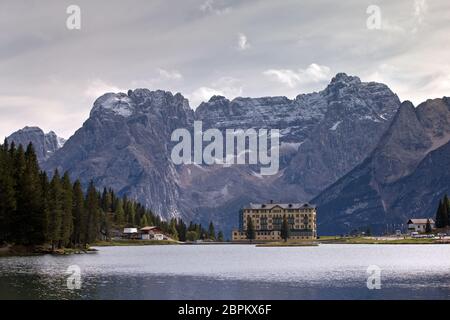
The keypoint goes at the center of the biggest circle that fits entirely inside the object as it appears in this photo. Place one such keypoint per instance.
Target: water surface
(329, 271)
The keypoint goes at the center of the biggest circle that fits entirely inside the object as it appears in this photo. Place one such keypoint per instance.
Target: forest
(38, 209)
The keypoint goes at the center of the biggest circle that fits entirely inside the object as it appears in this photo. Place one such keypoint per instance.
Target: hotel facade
(267, 220)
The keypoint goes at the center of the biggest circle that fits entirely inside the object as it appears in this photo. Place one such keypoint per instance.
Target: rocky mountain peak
(140, 101)
(344, 79)
(44, 144)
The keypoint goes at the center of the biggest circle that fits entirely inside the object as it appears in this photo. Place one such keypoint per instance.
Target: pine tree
(45, 208)
(182, 230)
(440, 219)
(55, 210)
(250, 232)
(446, 210)
(32, 187)
(144, 221)
(173, 229)
(285, 229)
(67, 211)
(7, 193)
(220, 236)
(92, 214)
(119, 213)
(428, 228)
(106, 201)
(78, 214)
(211, 231)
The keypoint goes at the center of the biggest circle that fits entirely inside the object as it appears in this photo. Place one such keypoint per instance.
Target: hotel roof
(271, 205)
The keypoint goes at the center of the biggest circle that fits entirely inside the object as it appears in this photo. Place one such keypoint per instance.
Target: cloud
(313, 74)
(243, 42)
(210, 6)
(420, 9)
(413, 84)
(170, 75)
(30, 111)
(226, 86)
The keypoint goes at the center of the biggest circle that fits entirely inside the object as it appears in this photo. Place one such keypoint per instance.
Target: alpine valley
(353, 149)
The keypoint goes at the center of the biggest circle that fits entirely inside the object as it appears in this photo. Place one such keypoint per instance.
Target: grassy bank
(374, 240)
(288, 244)
(117, 243)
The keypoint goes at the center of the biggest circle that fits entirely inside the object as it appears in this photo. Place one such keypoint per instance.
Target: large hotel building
(267, 219)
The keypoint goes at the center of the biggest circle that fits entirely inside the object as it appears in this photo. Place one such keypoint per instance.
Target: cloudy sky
(50, 75)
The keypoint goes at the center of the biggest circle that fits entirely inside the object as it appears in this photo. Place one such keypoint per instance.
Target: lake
(329, 271)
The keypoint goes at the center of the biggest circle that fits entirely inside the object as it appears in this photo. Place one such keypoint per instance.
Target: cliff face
(402, 178)
(125, 144)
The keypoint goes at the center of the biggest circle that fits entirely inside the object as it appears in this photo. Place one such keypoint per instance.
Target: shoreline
(20, 250)
(26, 251)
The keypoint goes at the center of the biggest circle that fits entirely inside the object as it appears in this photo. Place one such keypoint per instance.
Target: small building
(130, 233)
(151, 233)
(419, 225)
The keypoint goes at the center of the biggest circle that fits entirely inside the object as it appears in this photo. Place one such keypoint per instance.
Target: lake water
(329, 271)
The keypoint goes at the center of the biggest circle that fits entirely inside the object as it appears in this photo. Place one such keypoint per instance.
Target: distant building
(267, 219)
(130, 233)
(419, 225)
(151, 233)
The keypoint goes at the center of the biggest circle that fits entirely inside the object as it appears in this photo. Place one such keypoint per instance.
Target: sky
(50, 74)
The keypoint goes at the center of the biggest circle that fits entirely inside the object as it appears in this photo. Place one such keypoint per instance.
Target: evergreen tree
(285, 229)
(78, 214)
(67, 211)
(92, 214)
(106, 201)
(191, 236)
(446, 210)
(19, 220)
(7, 193)
(173, 229)
(182, 230)
(130, 212)
(250, 232)
(45, 209)
(144, 221)
(55, 210)
(440, 218)
(428, 228)
(36, 220)
(220, 236)
(119, 213)
(211, 231)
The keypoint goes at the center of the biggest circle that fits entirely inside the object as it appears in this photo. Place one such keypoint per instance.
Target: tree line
(443, 213)
(36, 209)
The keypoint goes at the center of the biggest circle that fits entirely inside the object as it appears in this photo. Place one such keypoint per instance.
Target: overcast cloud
(50, 76)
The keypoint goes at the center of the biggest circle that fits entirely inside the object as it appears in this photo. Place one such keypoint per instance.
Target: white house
(130, 233)
(419, 225)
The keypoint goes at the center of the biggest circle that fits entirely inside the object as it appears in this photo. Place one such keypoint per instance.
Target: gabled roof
(419, 221)
(271, 205)
(149, 228)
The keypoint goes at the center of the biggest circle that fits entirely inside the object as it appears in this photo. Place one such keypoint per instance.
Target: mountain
(323, 136)
(403, 177)
(45, 144)
(126, 144)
